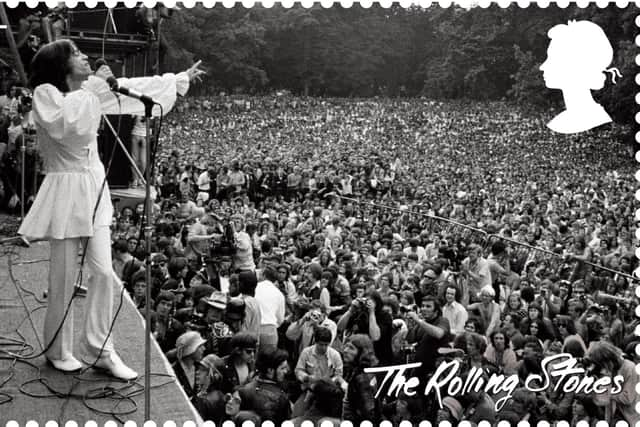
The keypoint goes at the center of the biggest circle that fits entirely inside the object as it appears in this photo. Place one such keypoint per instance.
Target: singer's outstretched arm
(162, 89)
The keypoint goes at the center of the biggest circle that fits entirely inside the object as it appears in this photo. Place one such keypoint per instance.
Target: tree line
(441, 53)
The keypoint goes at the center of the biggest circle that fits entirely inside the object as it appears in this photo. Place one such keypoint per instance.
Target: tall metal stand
(148, 228)
(23, 170)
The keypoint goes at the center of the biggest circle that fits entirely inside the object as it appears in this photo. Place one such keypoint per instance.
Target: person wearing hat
(176, 288)
(234, 314)
(209, 399)
(217, 332)
(189, 351)
(239, 366)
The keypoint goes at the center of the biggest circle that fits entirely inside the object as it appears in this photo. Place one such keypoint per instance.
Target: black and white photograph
(277, 213)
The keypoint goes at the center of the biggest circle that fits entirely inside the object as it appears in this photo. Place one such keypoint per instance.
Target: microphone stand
(148, 227)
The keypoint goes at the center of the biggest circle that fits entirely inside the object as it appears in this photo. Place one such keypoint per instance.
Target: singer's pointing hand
(194, 72)
(104, 72)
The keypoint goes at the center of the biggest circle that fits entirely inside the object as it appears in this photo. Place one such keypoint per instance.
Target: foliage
(436, 52)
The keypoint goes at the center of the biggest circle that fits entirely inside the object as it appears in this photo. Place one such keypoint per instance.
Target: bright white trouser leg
(100, 290)
(63, 272)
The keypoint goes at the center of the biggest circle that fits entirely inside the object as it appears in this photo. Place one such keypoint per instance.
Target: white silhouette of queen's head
(577, 59)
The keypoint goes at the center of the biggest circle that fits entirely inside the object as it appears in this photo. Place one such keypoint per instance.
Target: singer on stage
(68, 102)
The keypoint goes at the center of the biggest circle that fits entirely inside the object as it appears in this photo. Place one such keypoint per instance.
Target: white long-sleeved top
(271, 302)
(67, 127)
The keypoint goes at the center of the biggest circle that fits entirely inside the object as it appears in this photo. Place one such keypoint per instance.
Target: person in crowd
(430, 331)
(189, 351)
(608, 362)
(302, 330)
(453, 311)
(272, 308)
(239, 367)
(487, 310)
(325, 404)
(243, 256)
(166, 329)
(500, 354)
(317, 362)
(475, 272)
(360, 403)
(265, 395)
(208, 399)
(247, 283)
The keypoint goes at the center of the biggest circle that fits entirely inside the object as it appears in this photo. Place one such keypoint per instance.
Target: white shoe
(68, 364)
(115, 367)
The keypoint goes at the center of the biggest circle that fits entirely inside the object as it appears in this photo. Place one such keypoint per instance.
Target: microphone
(111, 81)
(113, 84)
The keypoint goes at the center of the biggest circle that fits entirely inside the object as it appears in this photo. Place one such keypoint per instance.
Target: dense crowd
(299, 241)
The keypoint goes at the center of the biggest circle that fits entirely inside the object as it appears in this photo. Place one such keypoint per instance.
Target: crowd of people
(299, 241)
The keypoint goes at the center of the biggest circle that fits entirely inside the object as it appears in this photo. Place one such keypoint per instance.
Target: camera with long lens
(222, 245)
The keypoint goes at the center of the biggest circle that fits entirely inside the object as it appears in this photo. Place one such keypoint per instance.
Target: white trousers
(100, 280)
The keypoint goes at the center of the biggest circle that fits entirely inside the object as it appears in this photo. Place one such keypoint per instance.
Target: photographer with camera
(302, 330)
(215, 330)
(365, 316)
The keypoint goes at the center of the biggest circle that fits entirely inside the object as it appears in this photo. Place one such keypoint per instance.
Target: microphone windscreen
(100, 62)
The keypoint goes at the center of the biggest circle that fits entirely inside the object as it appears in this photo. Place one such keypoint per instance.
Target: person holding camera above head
(430, 331)
(366, 316)
(303, 329)
(73, 207)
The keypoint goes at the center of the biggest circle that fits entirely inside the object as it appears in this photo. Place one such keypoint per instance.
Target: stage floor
(30, 268)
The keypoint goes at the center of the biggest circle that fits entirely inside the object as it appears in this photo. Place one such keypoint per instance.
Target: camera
(197, 323)
(361, 302)
(222, 245)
